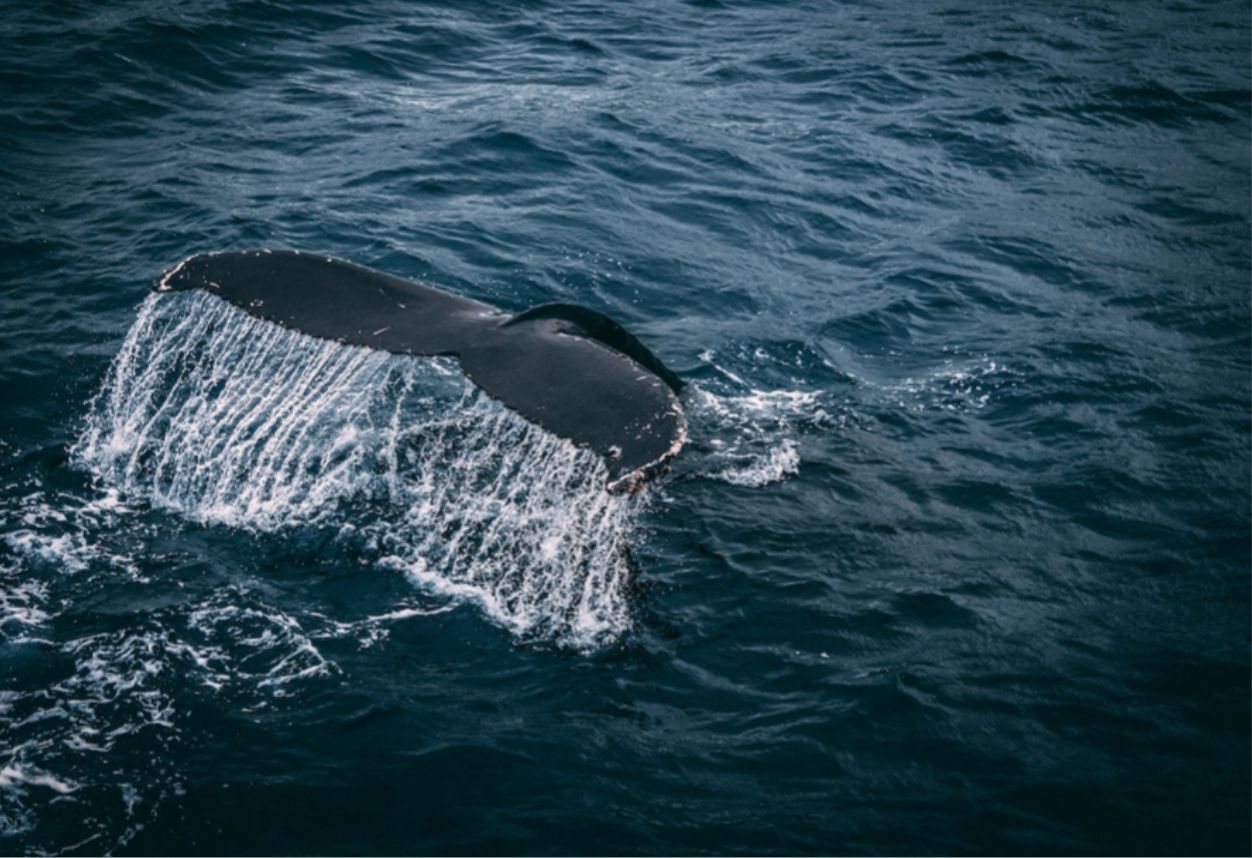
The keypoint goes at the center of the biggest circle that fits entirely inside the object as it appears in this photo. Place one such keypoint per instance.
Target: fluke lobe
(571, 370)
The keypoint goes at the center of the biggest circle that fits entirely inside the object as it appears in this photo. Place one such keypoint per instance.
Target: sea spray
(230, 420)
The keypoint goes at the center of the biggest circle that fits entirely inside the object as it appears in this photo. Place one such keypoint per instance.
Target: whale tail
(569, 369)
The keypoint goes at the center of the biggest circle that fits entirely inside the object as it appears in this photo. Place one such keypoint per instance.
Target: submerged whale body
(571, 370)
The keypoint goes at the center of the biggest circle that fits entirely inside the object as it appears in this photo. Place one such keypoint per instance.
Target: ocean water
(956, 559)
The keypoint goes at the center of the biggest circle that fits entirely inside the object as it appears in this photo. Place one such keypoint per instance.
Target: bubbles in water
(228, 419)
(746, 436)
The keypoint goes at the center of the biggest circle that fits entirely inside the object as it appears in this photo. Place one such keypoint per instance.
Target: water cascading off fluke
(229, 419)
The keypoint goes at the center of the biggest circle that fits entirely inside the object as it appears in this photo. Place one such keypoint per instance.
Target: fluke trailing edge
(571, 370)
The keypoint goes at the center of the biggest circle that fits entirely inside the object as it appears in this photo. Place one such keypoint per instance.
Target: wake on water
(227, 419)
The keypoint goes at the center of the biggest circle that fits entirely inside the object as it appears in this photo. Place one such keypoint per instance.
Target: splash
(750, 439)
(747, 436)
(229, 420)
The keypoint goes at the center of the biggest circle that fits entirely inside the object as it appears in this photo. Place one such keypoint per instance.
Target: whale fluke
(569, 369)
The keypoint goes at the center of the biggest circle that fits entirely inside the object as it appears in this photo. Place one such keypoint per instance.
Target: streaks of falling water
(235, 421)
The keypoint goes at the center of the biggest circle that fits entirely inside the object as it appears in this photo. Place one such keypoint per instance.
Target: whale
(569, 369)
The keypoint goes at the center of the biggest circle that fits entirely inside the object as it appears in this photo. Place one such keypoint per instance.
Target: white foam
(251, 646)
(12, 775)
(374, 628)
(776, 465)
(22, 603)
(60, 533)
(749, 438)
(66, 550)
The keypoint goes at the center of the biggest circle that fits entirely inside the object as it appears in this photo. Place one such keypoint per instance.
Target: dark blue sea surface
(956, 558)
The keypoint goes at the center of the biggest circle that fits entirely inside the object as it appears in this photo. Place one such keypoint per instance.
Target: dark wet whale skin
(569, 369)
